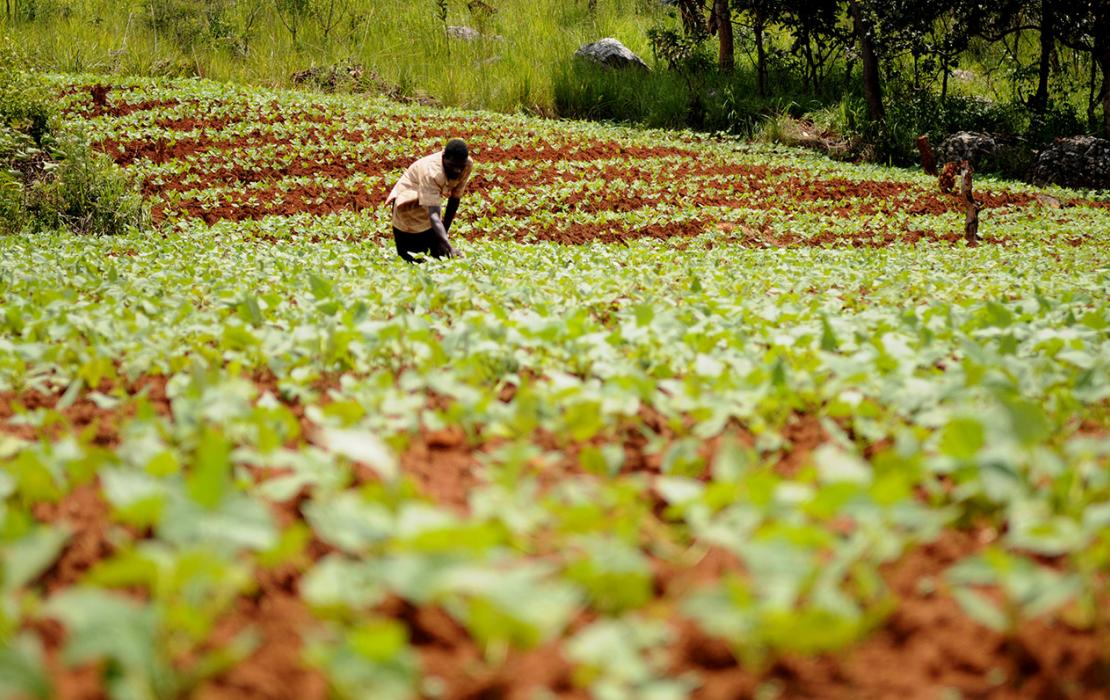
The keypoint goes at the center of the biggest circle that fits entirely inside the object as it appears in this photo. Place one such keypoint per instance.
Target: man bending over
(419, 226)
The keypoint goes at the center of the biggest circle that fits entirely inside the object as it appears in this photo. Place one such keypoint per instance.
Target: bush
(39, 10)
(188, 22)
(705, 99)
(13, 215)
(25, 105)
(85, 192)
(50, 179)
(913, 113)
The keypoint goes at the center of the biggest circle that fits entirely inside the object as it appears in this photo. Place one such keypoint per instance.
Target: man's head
(455, 155)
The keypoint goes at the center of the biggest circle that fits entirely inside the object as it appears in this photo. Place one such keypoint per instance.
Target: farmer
(418, 225)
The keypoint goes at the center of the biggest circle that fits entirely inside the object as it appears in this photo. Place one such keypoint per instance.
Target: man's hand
(440, 232)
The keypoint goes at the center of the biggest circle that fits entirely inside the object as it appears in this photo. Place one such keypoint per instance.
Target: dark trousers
(424, 242)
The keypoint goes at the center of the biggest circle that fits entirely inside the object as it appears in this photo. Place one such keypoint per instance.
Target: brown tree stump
(928, 158)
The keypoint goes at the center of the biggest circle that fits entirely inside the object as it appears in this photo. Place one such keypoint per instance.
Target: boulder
(974, 147)
(994, 153)
(464, 33)
(611, 53)
(1074, 161)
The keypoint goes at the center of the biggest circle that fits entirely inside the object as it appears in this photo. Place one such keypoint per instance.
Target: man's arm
(452, 207)
(439, 230)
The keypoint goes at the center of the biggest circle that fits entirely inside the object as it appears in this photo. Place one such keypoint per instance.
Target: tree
(1084, 26)
(999, 20)
(864, 32)
(720, 23)
(291, 13)
(762, 14)
(815, 27)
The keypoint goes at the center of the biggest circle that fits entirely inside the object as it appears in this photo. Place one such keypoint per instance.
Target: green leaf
(348, 522)
(683, 458)
(104, 626)
(364, 447)
(962, 438)
(210, 478)
(23, 669)
(321, 288)
(250, 311)
(28, 557)
(981, 609)
(335, 582)
(379, 641)
(829, 341)
(1028, 421)
(835, 465)
(605, 460)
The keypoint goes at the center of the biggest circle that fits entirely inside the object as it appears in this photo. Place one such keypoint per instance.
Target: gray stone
(997, 153)
(974, 147)
(611, 53)
(1074, 161)
(464, 33)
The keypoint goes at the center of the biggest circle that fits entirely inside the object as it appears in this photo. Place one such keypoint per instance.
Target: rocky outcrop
(1075, 161)
(611, 53)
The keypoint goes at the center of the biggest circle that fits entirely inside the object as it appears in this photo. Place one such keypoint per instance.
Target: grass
(404, 43)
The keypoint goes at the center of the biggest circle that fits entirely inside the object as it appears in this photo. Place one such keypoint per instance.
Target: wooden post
(928, 159)
(972, 207)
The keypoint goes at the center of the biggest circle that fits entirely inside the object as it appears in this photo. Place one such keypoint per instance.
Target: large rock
(611, 53)
(987, 152)
(1075, 161)
(464, 33)
(974, 147)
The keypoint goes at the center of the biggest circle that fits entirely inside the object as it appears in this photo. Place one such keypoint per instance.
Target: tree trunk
(726, 56)
(760, 54)
(872, 83)
(1093, 97)
(811, 68)
(1102, 55)
(1039, 103)
(1106, 91)
(944, 77)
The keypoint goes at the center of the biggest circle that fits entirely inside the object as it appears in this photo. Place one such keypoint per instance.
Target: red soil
(275, 670)
(83, 414)
(443, 466)
(83, 682)
(926, 645)
(85, 512)
(447, 652)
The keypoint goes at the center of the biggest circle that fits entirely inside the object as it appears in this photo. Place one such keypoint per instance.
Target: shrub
(85, 192)
(913, 113)
(25, 105)
(188, 22)
(12, 213)
(50, 178)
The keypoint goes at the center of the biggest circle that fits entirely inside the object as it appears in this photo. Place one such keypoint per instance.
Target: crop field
(688, 418)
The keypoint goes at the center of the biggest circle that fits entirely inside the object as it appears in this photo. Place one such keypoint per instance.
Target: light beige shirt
(423, 185)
